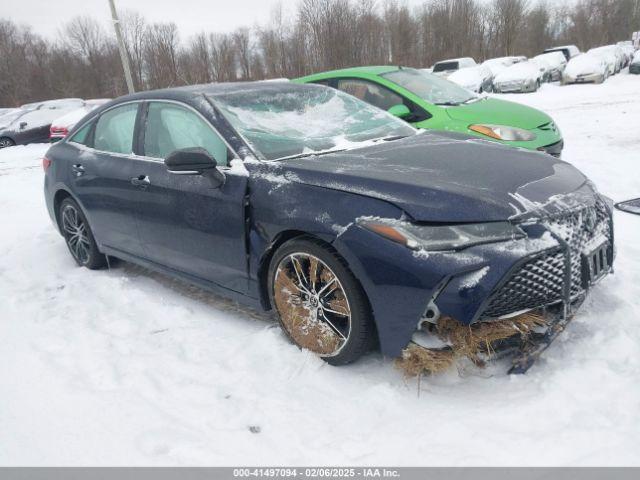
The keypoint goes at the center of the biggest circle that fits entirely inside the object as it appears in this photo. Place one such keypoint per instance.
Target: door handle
(140, 181)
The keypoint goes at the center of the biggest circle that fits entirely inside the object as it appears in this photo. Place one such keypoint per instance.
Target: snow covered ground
(127, 367)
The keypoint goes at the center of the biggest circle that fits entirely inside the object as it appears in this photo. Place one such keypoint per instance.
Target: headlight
(504, 132)
(442, 237)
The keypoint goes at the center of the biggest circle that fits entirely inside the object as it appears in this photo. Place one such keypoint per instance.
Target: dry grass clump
(470, 341)
(416, 360)
(299, 320)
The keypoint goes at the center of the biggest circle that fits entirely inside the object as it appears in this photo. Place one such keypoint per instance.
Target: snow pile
(127, 367)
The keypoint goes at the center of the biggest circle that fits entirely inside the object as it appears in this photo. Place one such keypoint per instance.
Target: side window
(370, 92)
(82, 135)
(171, 127)
(114, 129)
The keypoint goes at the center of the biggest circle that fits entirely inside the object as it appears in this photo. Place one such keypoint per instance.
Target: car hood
(444, 177)
(498, 112)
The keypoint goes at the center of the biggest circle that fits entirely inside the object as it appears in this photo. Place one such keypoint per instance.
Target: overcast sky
(191, 16)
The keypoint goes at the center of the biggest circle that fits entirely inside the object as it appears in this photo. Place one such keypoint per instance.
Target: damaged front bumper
(550, 271)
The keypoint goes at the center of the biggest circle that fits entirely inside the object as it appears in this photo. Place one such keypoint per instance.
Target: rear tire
(6, 142)
(320, 304)
(78, 236)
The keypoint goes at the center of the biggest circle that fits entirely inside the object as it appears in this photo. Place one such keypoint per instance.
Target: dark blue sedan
(355, 228)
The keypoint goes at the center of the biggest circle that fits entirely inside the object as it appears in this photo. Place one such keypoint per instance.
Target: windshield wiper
(449, 104)
(390, 138)
(309, 154)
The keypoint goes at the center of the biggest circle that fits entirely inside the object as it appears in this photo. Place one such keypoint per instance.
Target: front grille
(540, 281)
(510, 85)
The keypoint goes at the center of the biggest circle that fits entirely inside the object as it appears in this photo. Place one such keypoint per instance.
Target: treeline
(316, 35)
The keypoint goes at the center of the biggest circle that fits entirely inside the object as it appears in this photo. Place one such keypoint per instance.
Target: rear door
(101, 177)
(185, 222)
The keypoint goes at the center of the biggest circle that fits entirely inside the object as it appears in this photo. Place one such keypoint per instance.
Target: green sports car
(428, 101)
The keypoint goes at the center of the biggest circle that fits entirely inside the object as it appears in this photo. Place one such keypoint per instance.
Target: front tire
(78, 236)
(320, 304)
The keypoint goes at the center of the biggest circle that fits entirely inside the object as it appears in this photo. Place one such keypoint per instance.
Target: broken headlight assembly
(442, 237)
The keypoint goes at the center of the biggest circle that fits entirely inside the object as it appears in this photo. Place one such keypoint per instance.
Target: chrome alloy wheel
(312, 304)
(76, 234)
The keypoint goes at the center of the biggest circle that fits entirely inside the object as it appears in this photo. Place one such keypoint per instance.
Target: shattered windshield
(305, 120)
(429, 87)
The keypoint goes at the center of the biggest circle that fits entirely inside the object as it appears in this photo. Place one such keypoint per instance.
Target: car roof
(356, 71)
(211, 89)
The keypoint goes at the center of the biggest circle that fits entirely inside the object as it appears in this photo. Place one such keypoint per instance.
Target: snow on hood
(470, 77)
(497, 65)
(519, 71)
(584, 64)
(445, 177)
(542, 63)
(554, 59)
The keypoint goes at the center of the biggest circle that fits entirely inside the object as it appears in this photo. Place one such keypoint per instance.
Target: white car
(628, 49)
(545, 68)
(444, 68)
(557, 63)
(586, 68)
(497, 65)
(612, 55)
(476, 79)
(61, 126)
(520, 77)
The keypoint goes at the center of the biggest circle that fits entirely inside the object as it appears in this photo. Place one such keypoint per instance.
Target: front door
(186, 222)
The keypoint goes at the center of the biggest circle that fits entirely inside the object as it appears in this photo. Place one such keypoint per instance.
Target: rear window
(114, 129)
(445, 66)
(82, 135)
(564, 51)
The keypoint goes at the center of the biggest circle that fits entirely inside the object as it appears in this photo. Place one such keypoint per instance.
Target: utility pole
(123, 51)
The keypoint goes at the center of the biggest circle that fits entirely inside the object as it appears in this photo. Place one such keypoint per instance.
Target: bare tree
(134, 29)
(160, 55)
(313, 36)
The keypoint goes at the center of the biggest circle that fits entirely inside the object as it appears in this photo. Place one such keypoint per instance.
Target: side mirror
(190, 161)
(629, 206)
(400, 111)
(23, 125)
(195, 161)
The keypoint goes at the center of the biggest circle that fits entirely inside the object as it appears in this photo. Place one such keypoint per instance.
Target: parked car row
(520, 74)
(42, 121)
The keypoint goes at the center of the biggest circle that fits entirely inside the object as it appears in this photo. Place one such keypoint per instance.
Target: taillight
(58, 132)
(46, 163)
